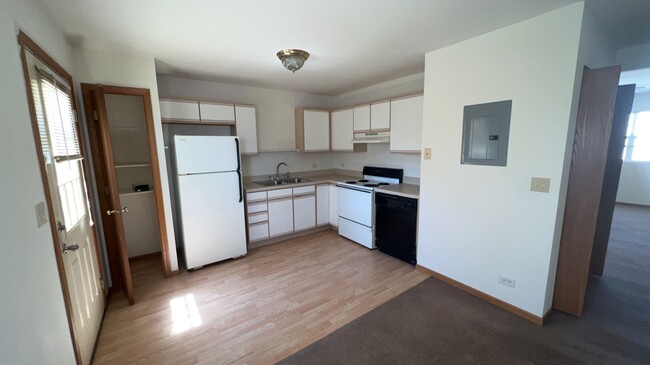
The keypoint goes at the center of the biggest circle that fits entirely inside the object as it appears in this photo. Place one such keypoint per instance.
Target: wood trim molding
(488, 298)
(27, 43)
(145, 256)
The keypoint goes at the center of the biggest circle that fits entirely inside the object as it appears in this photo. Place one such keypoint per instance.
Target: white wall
(634, 58)
(131, 70)
(634, 185)
(479, 222)
(34, 327)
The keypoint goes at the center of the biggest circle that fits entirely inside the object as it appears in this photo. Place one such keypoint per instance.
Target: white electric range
(357, 203)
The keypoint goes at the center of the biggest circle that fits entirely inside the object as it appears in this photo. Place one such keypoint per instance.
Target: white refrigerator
(210, 198)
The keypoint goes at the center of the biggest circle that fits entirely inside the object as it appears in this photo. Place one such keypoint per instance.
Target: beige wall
(33, 322)
(479, 222)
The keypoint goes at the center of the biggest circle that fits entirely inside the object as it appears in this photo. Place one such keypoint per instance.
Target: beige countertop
(251, 187)
(405, 190)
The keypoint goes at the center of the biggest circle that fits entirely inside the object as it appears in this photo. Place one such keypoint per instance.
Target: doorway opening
(127, 174)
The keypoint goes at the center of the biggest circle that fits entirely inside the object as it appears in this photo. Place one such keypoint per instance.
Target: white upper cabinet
(213, 112)
(312, 130)
(185, 111)
(246, 125)
(362, 118)
(380, 116)
(406, 124)
(342, 130)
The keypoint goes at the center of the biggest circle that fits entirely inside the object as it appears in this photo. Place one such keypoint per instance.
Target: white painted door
(342, 133)
(280, 216)
(334, 205)
(317, 130)
(67, 189)
(246, 128)
(304, 212)
(322, 204)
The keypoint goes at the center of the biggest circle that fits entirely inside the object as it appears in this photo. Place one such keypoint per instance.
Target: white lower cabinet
(280, 216)
(304, 212)
(334, 205)
(322, 205)
(258, 231)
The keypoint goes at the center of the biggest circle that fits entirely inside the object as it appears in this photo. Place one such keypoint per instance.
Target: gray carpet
(435, 323)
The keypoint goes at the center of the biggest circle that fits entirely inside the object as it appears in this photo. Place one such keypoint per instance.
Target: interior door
(584, 191)
(114, 210)
(62, 163)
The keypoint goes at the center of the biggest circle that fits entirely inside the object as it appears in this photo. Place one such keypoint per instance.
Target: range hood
(371, 137)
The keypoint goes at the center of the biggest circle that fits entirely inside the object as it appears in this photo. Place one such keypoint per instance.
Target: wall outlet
(540, 184)
(507, 281)
(41, 214)
(427, 153)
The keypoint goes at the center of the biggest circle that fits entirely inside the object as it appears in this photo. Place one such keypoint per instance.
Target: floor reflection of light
(185, 314)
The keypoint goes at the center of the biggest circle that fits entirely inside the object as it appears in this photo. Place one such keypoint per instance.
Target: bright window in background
(637, 141)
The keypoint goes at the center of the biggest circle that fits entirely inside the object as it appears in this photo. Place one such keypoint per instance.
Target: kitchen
(277, 123)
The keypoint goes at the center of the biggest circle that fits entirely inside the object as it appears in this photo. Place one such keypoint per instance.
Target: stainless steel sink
(293, 180)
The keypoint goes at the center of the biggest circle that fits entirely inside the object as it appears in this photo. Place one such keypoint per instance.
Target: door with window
(62, 163)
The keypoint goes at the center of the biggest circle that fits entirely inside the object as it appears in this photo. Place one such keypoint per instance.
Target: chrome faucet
(277, 169)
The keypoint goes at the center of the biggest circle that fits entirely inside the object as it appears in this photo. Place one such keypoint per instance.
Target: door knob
(65, 248)
(118, 211)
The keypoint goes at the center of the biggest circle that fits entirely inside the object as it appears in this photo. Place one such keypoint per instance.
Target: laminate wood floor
(254, 310)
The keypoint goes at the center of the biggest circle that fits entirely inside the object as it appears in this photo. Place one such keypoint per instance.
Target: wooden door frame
(26, 43)
(97, 147)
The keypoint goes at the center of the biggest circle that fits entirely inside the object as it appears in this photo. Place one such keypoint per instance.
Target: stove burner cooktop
(383, 183)
(371, 185)
(351, 182)
(363, 180)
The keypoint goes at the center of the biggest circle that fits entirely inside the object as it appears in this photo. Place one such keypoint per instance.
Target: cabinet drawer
(258, 231)
(258, 217)
(257, 207)
(311, 189)
(217, 112)
(256, 196)
(279, 193)
(179, 110)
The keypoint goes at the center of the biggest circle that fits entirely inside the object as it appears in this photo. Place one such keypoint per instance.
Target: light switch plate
(41, 214)
(540, 184)
(427, 153)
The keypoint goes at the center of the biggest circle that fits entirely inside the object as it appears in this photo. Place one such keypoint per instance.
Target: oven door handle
(355, 189)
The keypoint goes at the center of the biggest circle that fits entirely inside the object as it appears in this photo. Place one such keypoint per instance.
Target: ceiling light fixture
(293, 59)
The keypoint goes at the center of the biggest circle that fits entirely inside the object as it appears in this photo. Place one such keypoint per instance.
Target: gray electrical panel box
(486, 128)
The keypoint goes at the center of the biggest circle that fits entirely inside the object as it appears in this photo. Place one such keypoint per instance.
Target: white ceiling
(353, 43)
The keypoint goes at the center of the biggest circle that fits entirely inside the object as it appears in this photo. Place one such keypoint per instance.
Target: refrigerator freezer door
(212, 217)
(201, 154)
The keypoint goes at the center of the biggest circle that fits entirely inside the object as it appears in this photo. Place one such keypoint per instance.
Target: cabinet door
(380, 116)
(212, 112)
(304, 212)
(334, 205)
(322, 205)
(342, 134)
(280, 216)
(406, 124)
(180, 110)
(362, 118)
(317, 130)
(246, 125)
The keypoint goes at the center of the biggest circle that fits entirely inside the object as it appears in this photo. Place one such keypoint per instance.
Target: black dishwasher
(396, 225)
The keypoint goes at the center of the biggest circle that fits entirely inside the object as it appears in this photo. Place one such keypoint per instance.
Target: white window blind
(60, 125)
(637, 142)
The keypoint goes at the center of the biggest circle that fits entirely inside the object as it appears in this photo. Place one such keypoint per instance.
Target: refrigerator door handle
(241, 188)
(238, 156)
